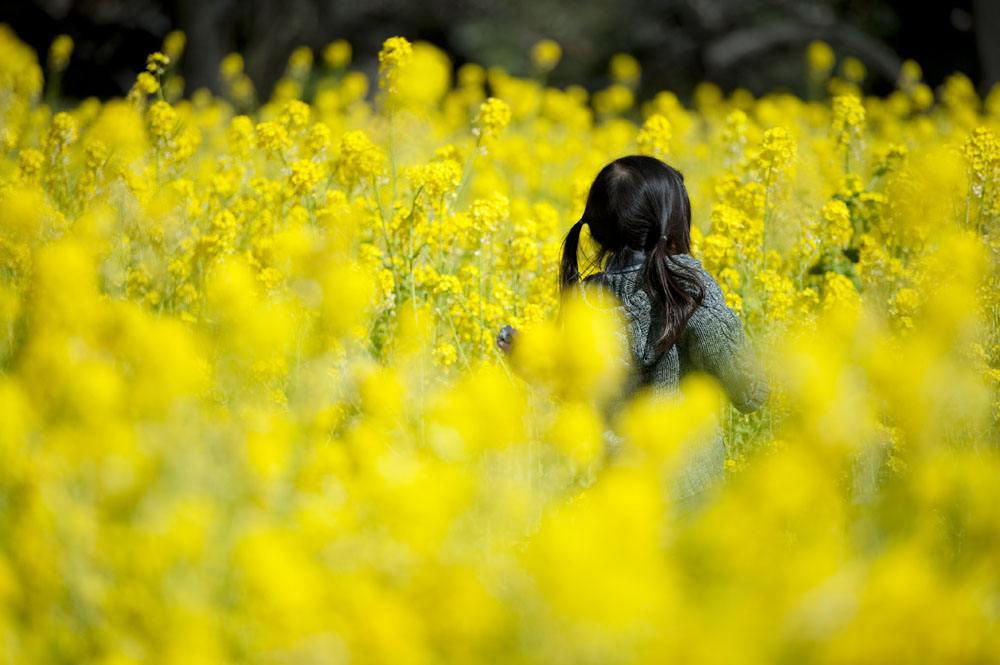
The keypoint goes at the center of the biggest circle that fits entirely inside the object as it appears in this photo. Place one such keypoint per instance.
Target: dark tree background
(756, 44)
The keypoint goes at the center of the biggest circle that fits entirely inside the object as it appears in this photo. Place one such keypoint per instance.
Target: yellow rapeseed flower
(654, 137)
(62, 132)
(173, 44)
(777, 151)
(982, 152)
(162, 119)
(294, 114)
(546, 54)
(436, 178)
(396, 53)
(820, 57)
(337, 54)
(272, 138)
(445, 355)
(156, 63)
(837, 220)
(493, 116)
(231, 66)
(300, 61)
(854, 70)
(60, 51)
(848, 116)
(146, 83)
(359, 159)
(910, 74)
(624, 68)
(305, 176)
(616, 98)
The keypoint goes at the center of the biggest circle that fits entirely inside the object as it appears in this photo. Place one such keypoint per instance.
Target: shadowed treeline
(756, 44)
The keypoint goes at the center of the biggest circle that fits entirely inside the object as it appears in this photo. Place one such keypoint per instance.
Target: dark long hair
(640, 204)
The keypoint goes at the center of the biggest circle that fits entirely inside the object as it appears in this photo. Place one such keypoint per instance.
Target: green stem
(979, 218)
(968, 202)
(479, 286)
(416, 322)
(767, 212)
(385, 232)
(467, 168)
(763, 237)
(458, 342)
(392, 144)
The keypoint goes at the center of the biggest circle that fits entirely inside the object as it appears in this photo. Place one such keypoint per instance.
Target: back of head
(639, 204)
(634, 202)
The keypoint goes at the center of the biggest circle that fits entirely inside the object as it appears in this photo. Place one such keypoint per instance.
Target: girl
(677, 320)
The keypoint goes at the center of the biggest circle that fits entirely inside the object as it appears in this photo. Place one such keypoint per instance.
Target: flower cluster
(359, 159)
(982, 152)
(654, 137)
(848, 117)
(776, 153)
(493, 116)
(396, 53)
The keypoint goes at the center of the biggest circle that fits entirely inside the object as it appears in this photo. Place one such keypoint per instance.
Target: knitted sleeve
(715, 343)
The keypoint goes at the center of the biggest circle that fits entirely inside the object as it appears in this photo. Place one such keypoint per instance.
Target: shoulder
(713, 317)
(592, 284)
(597, 293)
(712, 292)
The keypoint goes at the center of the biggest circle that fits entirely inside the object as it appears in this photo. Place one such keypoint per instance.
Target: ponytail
(665, 282)
(569, 271)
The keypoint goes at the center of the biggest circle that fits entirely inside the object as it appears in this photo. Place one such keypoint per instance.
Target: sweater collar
(625, 260)
(630, 260)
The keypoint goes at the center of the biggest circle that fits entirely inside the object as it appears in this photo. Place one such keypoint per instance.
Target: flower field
(252, 411)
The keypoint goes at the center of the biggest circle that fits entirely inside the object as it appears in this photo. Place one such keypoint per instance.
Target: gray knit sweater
(712, 341)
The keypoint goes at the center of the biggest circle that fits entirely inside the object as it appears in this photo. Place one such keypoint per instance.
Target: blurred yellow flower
(173, 44)
(624, 68)
(853, 69)
(396, 53)
(493, 116)
(546, 54)
(654, 137)
(147, 83)
(848, 116)
(60, 51)
(820, 57)
(337, 54)
(231, 66)
(300, 61)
